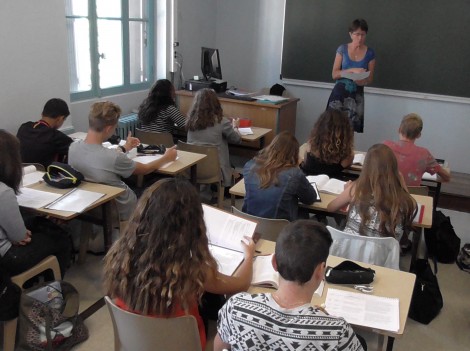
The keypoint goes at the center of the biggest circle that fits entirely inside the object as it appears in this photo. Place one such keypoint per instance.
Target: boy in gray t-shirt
(107, 166)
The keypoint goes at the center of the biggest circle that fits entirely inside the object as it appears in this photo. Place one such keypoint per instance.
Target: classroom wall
(249, 34)
(33, 59)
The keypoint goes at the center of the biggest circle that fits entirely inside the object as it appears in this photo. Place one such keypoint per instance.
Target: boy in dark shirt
(41, 142)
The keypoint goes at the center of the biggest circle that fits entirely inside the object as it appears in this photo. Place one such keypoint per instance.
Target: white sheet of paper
(31, 175)
(33, 198)
(271, 98)
(225, 229)
(359, 159)
(355, 76)
(245, 131)
(429, 176)
(227, 260)
(149, 158)
(362, 309)
(76, 200)
(78, 135)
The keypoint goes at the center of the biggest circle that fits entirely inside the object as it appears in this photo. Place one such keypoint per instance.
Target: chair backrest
(208, 169)
(419, 190)
(383, 252)
(134, 332)
(267, 227)
(154, 138)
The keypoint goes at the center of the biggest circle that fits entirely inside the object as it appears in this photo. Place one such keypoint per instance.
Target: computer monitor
(210, 63)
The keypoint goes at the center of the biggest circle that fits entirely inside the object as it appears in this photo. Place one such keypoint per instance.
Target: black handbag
(441, 240)
(426, 301)
(348, 272)
(61, 175)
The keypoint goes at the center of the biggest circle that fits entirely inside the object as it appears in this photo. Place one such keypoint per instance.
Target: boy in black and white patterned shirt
(285, 319)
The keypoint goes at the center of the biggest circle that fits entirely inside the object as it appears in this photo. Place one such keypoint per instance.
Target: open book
(225, 232)
(359, 159)
(31, 175)
(327, 184)
(265, 275)
(365, 310)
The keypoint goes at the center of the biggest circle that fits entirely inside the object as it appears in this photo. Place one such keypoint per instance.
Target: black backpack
(441, 240)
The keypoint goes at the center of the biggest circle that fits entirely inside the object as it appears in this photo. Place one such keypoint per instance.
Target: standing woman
(158, 112)
(379, 202)
(330, 147)
(207, 126)
(355, 57)
(20, 248)
(162, 265)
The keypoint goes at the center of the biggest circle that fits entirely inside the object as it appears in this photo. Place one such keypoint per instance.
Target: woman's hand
(248, 247)
(170, 154)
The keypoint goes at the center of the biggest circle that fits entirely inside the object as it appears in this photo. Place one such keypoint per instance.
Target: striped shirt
(166, 121)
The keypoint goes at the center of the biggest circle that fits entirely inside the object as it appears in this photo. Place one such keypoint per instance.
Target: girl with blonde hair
(379, 203)
(330, 146)
(274, 182)
(162, 265)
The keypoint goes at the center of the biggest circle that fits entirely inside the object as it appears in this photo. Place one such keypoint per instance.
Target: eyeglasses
(356, 34)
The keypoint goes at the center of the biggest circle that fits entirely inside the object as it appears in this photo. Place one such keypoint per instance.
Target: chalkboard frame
(313, 30)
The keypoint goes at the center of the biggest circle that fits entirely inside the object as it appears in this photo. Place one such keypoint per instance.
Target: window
(110, 46)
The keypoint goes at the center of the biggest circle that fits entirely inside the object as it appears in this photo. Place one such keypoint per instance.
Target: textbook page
(265, 275)
(326, 184)
(355, 76)
(227, 260)
(33, 198)
(75, 200)
(226, 230)
(31, 176)
(362, 309)
(359, 159)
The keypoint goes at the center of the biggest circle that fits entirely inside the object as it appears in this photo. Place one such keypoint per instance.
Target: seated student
(158, 112)
(21, 248)
(379, 202)
(207, 126)
(274, 183)
(107, 166)
(414, 160)
(41, 141)
(330, 147)
(162, 265)
(285, 319)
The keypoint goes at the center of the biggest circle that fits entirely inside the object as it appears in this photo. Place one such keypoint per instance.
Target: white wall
(33, 59)
(249, 34)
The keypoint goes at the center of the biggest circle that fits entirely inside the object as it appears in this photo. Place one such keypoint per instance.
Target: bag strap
(69, 175)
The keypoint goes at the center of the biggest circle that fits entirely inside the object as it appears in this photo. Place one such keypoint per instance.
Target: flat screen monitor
(210, 63)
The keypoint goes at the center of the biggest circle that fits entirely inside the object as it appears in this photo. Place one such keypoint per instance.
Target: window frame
(126, 87)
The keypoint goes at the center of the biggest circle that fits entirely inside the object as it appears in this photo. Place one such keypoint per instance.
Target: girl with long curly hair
(207, 126)
(162, 265)
(330, 146)
(274, 182)
(379, 202)
(158, 112)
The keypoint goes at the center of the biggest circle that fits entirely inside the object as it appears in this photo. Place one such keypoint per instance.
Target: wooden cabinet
(278, 117)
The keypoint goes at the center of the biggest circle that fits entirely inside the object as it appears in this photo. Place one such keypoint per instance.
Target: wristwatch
(123, 149)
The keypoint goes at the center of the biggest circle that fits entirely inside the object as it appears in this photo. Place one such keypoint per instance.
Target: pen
(257, 251)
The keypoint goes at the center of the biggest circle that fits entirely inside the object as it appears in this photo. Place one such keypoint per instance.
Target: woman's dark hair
(160, 96)
(11, 170)
(359, 23)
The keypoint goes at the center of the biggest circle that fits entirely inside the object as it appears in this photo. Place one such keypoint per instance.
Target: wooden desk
(278, 117)
(387, 283)
(185, 160)
(111, 192)
(258, 134)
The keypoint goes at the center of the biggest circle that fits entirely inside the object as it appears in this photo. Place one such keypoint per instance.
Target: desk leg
(193, 174)
(390, 341)
(380, 342)
(436, 195)
(107, 225)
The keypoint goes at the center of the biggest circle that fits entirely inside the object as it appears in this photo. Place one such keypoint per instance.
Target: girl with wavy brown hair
(162, 265)
(379, 202)
(274, 182)
(330, 146)
(207, 126)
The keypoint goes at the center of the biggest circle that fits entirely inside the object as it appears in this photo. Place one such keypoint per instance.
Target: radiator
(125, 124)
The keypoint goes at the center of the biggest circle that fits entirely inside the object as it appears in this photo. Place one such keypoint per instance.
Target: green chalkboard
(421, 45)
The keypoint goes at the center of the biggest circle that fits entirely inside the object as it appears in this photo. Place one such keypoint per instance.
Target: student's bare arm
(219, 345)
(343, 199)
(142, 168)
(444, 174)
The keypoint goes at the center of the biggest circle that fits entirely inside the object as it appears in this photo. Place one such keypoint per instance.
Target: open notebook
(225, 232)
(326, 184)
